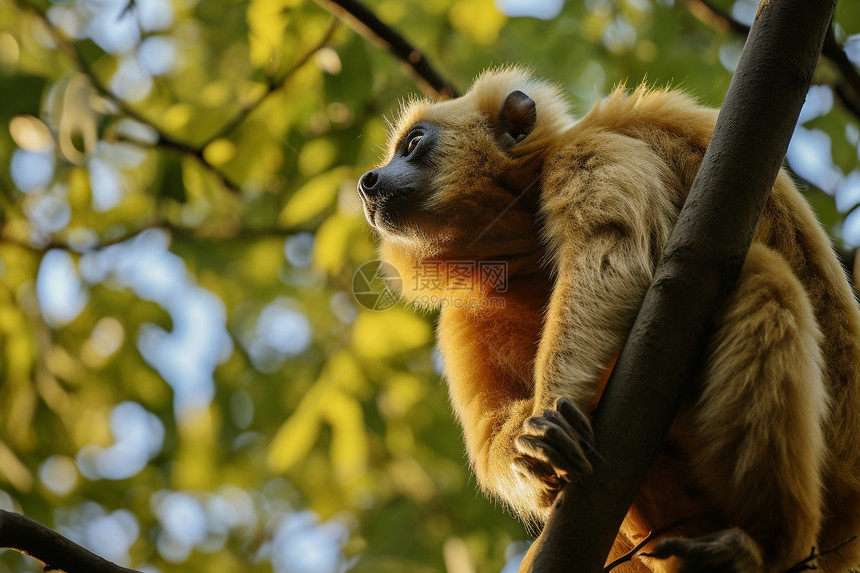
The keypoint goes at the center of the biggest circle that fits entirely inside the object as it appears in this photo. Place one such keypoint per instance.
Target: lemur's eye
(413, 141)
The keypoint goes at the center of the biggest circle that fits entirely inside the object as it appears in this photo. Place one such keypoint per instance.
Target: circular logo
(375, 285)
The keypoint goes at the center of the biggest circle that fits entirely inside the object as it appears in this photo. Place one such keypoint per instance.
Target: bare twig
(52, 550)
(716, 18)
(806, 564)
(648, 539)
(190, 150)
(274, 83)
(848, 90)
(366, 23)
(233, 233)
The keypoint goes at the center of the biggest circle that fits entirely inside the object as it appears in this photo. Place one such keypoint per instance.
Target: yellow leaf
(410, 478)
(332, 241)
(79, 188)
(399, 438)
(380, 334)
(297, 435)
(30, 133)
(479, 20)
(593, 26)
(197, 425)
(262, 260)
(219, 151)
(272, 157)
(391, 12)
(313, 197)
(13, 470)
(316, 156)
(93, 426)
(341, 372)
(267, 21)
(195, 459)
(19, 352)
(149, 387)
(177, 116)
(403, 391)
(373, 135)
(215, 94)
(349, 438)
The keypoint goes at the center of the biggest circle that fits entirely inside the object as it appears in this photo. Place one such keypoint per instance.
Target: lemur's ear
(518, 115)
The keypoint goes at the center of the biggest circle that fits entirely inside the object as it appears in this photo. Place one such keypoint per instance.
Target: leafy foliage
(186, 380)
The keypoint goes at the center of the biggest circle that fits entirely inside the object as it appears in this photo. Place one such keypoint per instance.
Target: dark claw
(530, 466)
(556, 448)
(551, 445)
(728, 551)
(578, 421)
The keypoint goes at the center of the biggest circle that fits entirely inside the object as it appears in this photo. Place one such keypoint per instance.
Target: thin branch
(164, 140)
(81, 64)
(52, 550)
(177, 231)
(836, 54)
(274, 83)
(849, 98)
(806, 564)
(648, 539)
(366, 23)
(715, 17)
(848, 90)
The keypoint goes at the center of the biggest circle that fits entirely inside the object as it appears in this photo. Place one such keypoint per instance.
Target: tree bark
(52, 550)
(701, 262)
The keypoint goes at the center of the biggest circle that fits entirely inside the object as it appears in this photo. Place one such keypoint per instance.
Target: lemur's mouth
(386, 213)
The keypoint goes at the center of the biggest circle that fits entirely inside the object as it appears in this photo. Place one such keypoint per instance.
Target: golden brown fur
(580, 211)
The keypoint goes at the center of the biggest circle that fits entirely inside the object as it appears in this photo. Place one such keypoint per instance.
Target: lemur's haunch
(579, 212)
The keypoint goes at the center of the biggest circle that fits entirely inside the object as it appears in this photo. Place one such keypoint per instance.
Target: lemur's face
(449, 178)
(395, 196)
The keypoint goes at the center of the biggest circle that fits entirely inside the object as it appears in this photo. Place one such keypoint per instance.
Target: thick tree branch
(701, 262)
(366, 23)
(52, 550)
(848, 90)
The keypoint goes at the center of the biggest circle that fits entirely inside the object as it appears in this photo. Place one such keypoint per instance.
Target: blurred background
(187, 382)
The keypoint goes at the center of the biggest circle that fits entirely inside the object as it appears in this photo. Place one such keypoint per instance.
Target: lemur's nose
(367, 182)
